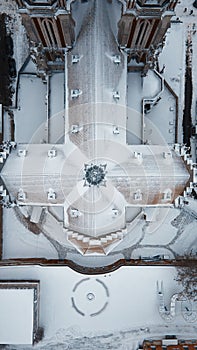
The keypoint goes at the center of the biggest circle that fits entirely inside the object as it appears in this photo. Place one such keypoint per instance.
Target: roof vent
(75, 93)
(51, 194)
(116, 130)
(75, 58)
(21, 195)
(167, 155)
(138, 155)
(116, 59)
(22, 152)
(52, 153)
(138, 195)
(115, 213)
(116, 95)
(74, 213)
(167, 195)
(74, 129)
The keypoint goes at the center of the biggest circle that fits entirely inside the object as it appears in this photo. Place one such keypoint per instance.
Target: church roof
(142, 174)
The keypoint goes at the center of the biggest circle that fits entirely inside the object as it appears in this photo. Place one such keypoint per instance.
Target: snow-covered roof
(46, 174)
(17, 312)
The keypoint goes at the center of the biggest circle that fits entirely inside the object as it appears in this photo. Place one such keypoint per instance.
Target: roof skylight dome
(94, 174)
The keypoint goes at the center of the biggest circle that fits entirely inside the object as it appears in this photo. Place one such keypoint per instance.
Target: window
(142, 32)
(49, 32)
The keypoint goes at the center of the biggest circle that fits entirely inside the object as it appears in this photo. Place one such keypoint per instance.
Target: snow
(148, 253)
(56, 108)
(19, 242)
(151, 85)
(49, 98)
(174, 47)
(156, 123)
(156, 127)
(114, 9)
(31, 110)
(164, 217)
(16, 317)
(28, 67)
(17, 30)
(79, 12)
(170, 232)
(130, 294)
(173, 56)
(187, 242)
(98, 77)
(134, 97)
(134, 100)
(95, 205)
(60, 174)
(131, 313)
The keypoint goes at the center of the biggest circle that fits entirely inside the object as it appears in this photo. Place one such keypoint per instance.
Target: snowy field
(169, 232)
(122, 301)
(19, 242)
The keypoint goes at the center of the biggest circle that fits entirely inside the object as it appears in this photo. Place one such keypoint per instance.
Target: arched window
(142, 32)
(139, 32)
(49, 32)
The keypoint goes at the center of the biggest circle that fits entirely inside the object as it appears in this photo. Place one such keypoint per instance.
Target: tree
(187, 276)
(195, 3)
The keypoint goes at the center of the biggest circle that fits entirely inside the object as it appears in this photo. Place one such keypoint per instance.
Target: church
(97, 173)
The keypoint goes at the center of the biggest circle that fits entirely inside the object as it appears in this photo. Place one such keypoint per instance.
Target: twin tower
(140, 30)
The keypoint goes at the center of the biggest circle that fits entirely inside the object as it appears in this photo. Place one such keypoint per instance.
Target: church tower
(142, 28)
(49, 26)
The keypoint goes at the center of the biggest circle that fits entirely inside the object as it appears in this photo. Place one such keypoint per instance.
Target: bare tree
(195, 3)
(187, 275)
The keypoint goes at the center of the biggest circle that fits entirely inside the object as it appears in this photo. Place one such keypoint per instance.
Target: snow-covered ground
(19, 35)
(170, 233)
(19, 242)
(117, 310)
(173, 56)
(121, 306)
(31, 113)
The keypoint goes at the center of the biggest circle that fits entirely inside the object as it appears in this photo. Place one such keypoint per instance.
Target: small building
(170, 342)
(19, 317)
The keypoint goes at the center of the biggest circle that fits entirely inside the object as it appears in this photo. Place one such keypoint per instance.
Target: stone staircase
(182, 150)
(102, 245)
(84, 244)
